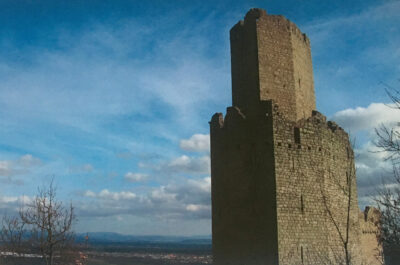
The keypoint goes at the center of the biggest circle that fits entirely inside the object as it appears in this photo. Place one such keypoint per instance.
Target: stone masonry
(283, 178)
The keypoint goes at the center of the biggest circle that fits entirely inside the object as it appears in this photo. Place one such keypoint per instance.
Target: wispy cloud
(21, 165)
(363, 52)
(110, 70)
(111, 89)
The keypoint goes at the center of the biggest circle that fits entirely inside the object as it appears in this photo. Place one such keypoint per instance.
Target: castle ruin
(283, 178)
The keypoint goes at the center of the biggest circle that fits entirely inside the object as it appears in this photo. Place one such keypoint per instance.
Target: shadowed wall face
(243, 189)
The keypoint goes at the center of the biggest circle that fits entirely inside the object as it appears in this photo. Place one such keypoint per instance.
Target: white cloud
(182, 164)
(108, 195)
(193, 191)
(196, 143)
(189, 165)
(8, 199)
(371, 164)
(202, 184)
(373, 168)
(197, 207)
(11, 204)
(354, 120)
(135, 177)
(122, 195)
(162, 195)
(373, 171)
(190, 199)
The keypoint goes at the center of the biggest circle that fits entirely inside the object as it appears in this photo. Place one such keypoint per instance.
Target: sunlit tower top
(271, 59)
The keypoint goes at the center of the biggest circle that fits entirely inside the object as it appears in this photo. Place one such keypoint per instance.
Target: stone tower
(277, 166)
(271, 59)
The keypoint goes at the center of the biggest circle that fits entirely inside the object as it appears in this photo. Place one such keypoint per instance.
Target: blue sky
(113, 99)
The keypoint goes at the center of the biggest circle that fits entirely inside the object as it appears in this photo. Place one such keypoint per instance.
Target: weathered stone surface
(277, 165)
(369, 221)
(271, 59)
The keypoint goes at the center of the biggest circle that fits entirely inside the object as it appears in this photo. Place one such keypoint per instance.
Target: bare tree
(388, 139)
(50, 223)
(12, 235)
(388, 198)
(45, 225)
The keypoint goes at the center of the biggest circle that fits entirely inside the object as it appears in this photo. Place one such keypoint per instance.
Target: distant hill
(110, 237)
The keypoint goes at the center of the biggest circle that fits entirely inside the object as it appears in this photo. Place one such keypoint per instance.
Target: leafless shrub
(44, 227)
(11, 234)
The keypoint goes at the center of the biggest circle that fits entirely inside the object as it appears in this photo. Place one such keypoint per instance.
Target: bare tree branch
(45, 223)
(388, 195)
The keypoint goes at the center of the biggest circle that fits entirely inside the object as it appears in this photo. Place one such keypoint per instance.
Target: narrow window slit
(297, 135)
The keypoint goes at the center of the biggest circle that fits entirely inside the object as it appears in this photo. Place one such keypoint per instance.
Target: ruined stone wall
(244, 225)
(313, 162)
(372, 252)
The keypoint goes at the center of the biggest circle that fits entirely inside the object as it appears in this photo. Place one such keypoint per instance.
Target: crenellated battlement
(255, 14)
(269, 109)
